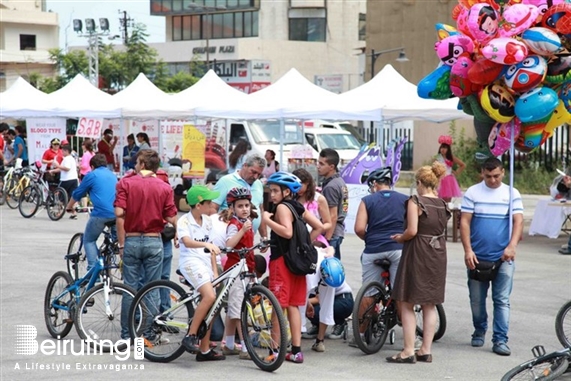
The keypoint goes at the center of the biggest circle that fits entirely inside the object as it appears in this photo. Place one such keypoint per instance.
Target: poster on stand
(194, 145)
(40, 131)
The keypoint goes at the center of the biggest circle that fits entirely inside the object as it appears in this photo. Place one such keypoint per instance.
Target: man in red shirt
(106, 146)
(142, 203)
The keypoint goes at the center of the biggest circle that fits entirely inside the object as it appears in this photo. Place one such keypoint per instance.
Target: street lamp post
(93, 35)
(374, 55)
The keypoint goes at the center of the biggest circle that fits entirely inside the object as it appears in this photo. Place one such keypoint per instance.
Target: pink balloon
(483, 22)
(450, 49)
(543, 5)
(460, 85)
(462, 21)
(506, 51)
(517, 18)
(499, 139)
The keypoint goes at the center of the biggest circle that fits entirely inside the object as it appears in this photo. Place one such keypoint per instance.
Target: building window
(181, 7)
(307, 29)
(215, 26)
(27, 42)
(362, 26)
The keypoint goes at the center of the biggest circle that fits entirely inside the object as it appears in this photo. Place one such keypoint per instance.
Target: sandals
(398, 359)
(423, 358)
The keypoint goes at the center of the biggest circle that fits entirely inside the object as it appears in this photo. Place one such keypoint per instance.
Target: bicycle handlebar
(245, 250)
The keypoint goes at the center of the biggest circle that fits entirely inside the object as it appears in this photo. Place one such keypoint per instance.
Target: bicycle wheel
(440, 328)
(30, 201)
(59, 320)
(57, 201)
(76, 246)
(260, 311)
(93, 322)
(563, 325)
(12, 193)
(544, 368)
(162, 332)
(2, 196)
(368, 318)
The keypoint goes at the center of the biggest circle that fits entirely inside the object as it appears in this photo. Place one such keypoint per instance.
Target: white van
(343, 126)
(265, 135)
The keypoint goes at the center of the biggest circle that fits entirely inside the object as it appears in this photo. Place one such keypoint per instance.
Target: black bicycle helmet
(380, 175)
(238, 193)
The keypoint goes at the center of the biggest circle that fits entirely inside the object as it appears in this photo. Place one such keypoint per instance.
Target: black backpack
(301, 255)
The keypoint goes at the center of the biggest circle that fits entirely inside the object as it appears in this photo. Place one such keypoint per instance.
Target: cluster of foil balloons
(509, 62)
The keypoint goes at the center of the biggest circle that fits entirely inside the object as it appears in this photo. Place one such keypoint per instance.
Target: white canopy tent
(79, 98)
(143, 100)
(24, 100)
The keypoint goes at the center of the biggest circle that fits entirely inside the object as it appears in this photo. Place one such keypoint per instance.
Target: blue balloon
(436, 85)
(536, 104)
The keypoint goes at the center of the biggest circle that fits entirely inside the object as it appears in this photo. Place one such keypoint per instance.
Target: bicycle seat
(384, 263)
(110, 224)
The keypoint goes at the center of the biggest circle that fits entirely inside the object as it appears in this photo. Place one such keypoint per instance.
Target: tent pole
(282, 137)
(121, 133)
(161, 141)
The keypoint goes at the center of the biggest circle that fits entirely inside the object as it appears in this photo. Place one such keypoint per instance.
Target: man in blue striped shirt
(486, 236)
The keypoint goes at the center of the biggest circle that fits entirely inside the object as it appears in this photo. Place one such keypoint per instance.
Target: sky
(139, 10)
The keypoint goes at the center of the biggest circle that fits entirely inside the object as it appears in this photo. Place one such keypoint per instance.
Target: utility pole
(125, 23)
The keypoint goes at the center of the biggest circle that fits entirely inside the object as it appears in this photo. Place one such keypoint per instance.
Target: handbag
(168, 233)
(485, 271)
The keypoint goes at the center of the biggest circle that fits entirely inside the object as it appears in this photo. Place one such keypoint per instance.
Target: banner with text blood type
(40, 132)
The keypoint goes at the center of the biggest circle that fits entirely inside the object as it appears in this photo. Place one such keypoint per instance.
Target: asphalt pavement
(31, 250)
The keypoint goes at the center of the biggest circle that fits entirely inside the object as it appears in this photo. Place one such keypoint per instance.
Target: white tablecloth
(548, 219)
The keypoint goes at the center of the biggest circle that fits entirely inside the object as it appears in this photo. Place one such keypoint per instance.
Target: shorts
(196, 272)
(372, 272)
(235, 299)
(289, 289)
(69, 186)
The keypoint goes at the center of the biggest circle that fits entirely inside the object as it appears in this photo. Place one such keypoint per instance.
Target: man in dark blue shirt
(100, 184)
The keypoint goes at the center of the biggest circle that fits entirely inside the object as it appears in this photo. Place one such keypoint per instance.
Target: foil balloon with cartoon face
(453, 47)
(526, 75)
(460, 85)
(532, 135)
(517, 18)
(484, 71)
(436, 85)
(559, 117)
(498, 102)
(542, 41)
(505, 51)
(536, 104)
(460, 14)
(445, 30)
(482, 22)
(366, 161)
(501, 134)
(543, 5)
(558, 18)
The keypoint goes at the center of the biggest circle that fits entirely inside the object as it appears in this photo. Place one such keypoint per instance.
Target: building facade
(252, 43)
(27, 32)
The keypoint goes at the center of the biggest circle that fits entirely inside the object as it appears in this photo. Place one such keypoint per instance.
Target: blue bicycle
(94, 307)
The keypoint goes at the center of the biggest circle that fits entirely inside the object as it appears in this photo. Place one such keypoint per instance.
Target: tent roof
(80, 98)
(142, 99)
(24, 100)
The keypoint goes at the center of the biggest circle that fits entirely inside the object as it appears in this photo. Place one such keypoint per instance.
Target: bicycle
(15, 180)
(95, 309)
(563, 325)
(544, 367)
(2, 197)
(78, 266)
(167, 327)
(376, 313)
(39, 193)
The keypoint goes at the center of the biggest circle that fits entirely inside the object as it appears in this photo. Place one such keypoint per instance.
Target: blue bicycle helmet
(287, 180)
(332, 272)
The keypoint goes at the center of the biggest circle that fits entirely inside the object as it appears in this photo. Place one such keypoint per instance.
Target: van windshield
(268, 132)
(338, 141)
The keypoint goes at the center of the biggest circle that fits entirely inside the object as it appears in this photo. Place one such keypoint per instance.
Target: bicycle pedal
(538, 350)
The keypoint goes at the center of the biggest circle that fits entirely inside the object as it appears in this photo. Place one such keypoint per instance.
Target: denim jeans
(93, 230)
(342, 309)
(336, 242)
(501, 290)
(166, 274)
(142, 260)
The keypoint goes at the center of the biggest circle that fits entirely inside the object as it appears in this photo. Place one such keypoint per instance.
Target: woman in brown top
(421, 275)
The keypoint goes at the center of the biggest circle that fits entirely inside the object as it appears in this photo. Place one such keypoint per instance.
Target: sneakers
(478, 339)
(244, 356)
(564, 251)
(212, 355)
(501, 349)
(297, 358)
(338, 331)
(231, 352)
(318, 346)
(311, 333)
(190, 343)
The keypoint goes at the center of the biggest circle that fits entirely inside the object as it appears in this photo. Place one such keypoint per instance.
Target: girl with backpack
(239, 234)
(289, 289)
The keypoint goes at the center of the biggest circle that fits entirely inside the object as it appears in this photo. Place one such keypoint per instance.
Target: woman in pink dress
(449, 187)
